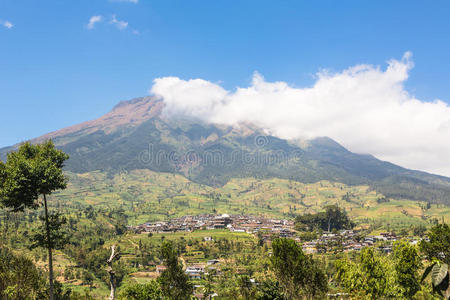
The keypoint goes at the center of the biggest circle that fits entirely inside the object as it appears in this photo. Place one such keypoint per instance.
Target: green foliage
(87, 278)
(58, 234)
(298, 274)
(333, 218)
(419, 230)
(19, 278)
(29, 172)
(173, 281)
(246, 288)
(270, 290)
(61, 293)
(367, 278)
(407, 264)
(438, 246)
(209, 283)
(439, 278)
(376, 276)
(438, 273)
(147, 291)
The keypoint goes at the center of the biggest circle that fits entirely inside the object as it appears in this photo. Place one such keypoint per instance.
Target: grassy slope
(149, 196)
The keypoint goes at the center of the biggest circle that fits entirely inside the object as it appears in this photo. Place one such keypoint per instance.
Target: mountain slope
(135, 135)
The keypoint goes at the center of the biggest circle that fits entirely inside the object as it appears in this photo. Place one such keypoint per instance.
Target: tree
(270, 290)
(297, 273)
(407, 264)
(58, 236)
(419, 230)
(437, 250)
(377, 276)
(374, 273)
(337, 218)
(19, 278)
(88, 278)
(148, 291)
(112, 274)
(332, 218)
(28, 173)
(173, 281)
(246, 287)
(438, 246)
(209, 284)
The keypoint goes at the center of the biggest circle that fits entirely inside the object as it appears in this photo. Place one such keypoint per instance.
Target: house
(309, 249)
(195, 272)
(195, 268)
(160, 269)
(213, 261)
(194, 275)
(386, 249)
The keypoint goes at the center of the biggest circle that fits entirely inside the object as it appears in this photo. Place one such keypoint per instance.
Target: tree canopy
(147, 291)
(298, 274)
(377, 276)
(19, 278)
(29, 172)
(438, 246)
(332, 218)
(174, 282)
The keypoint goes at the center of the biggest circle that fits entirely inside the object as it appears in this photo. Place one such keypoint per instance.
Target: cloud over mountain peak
(364, 107)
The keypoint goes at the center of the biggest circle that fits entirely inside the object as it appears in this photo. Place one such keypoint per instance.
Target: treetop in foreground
(29, 172)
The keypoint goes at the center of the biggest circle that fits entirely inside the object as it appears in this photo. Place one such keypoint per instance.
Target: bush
(148, 291)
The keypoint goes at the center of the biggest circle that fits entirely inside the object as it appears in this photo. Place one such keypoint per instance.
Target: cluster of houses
(194, 271)
(235, 223)
(347, 240)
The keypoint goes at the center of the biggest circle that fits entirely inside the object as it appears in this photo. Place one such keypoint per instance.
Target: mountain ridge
(136, 135)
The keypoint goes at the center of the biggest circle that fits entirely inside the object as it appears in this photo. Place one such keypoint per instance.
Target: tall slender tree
(174, 282)
(29, 174)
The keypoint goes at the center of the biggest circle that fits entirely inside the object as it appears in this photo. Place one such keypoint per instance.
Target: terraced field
(149, 196)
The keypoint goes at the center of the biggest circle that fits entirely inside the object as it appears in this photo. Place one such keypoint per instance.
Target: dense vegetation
(333, 218)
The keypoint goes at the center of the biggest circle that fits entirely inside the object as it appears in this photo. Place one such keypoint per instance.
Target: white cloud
(364, 107)
(7, 24)
(93, 20)
(119, 24)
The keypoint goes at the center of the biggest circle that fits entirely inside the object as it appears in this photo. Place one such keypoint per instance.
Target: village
(234, 223)
(266, 229)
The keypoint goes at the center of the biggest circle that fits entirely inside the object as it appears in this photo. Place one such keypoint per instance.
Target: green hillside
(145, 195)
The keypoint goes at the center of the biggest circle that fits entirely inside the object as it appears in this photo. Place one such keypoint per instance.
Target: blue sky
(55, 71)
